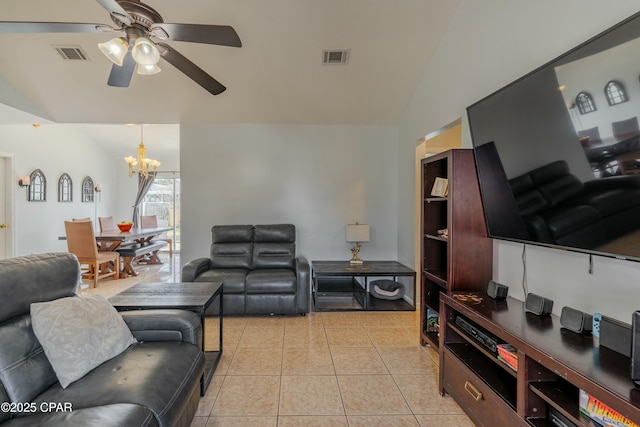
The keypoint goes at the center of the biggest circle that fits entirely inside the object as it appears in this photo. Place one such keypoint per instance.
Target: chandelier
(141, 165)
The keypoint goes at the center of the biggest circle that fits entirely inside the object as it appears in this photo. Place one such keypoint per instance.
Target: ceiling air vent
(335, 56)
(71, 53)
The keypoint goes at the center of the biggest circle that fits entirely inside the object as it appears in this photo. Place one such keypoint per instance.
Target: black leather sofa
(152, 383)
(558, 208)
(258, 268)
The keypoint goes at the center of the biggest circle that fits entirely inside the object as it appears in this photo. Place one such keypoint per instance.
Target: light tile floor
(324, 369)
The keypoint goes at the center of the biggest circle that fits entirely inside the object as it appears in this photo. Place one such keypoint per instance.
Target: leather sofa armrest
(613, 182)
(194, 268)
(164, 325)
(303, 273)
(114, 414)
(537, 228)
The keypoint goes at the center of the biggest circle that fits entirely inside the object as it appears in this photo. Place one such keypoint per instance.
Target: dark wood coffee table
(193, 296)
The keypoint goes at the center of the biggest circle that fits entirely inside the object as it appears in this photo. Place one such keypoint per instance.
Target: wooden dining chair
(107, 223)
(628, 154)
(82, 243)
(151, 221)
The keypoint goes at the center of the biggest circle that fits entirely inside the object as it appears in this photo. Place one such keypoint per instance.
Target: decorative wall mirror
(38, 187)
(65, 188)
(615, 93)
(87, 190)
(585, 103)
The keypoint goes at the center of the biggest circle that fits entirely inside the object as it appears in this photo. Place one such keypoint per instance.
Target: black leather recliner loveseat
(558, 208)
(155, 382)
(258, 268)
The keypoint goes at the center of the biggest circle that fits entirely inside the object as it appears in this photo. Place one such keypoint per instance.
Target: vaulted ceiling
(277, 76)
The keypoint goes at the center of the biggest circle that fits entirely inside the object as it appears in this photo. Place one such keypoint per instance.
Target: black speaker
(538, 305)
(575, 320)
(615, 335)
(497, 290)
(635, 347)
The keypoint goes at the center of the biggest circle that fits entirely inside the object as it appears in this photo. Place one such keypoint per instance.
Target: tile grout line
(335, 372)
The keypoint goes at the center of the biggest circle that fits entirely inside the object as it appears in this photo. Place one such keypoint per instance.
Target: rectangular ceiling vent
(71, 53)
(335, 56)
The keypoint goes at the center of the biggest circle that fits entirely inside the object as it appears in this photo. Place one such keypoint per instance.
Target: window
(87, 190)
(585, 103)
(65, 188)
(615, 93)
(163, 200)
(38, 187)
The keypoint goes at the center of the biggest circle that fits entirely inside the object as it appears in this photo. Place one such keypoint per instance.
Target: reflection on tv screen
(558, 151)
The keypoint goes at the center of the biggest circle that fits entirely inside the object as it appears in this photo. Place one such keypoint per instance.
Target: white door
(3, 211)
(7, 231)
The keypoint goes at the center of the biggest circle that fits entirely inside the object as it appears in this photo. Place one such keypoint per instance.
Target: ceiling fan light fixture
(144, 52)
(115, 50)
(147, 70)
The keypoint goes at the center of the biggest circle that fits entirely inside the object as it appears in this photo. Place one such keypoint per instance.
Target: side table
(340, 285)
(193, 296)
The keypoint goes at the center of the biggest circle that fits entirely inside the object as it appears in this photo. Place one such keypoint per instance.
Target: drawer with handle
(474, 396)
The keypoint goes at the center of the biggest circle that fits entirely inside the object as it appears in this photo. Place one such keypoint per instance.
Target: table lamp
(357, 233)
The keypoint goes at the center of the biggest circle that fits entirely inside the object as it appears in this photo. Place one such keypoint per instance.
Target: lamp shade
(115, 50)
(357, 232)
(147, 70)
(144, 52)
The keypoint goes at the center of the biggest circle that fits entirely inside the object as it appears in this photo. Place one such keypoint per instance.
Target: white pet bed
(386, 289)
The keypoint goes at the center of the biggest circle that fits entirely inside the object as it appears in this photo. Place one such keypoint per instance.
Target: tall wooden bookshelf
(462, 258)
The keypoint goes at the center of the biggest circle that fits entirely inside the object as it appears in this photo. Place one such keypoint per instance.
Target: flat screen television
(558, 150)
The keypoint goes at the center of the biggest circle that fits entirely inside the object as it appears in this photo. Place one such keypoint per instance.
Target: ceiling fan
(143, 42)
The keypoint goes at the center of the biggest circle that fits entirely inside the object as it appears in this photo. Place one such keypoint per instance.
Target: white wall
(488, 45)
(316, 177)
(54, 149)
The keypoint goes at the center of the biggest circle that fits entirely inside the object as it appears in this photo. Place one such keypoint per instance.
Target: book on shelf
(508, 355)
(601, 413)
(433, 321)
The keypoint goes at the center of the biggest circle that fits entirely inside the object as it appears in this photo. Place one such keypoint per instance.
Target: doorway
(163, 201)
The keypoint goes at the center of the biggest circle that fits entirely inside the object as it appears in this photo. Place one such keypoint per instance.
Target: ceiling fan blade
(223, 35)
(120, 76)
(116, 11)
(190, 69)
(54, 27)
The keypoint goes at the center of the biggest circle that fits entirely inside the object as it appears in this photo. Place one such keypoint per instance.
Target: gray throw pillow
(78, 334)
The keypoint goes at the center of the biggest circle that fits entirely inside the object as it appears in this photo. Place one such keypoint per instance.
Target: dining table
(110, 240)
(616, 148)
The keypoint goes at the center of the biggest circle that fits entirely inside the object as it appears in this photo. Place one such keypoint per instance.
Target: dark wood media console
(553, 365)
